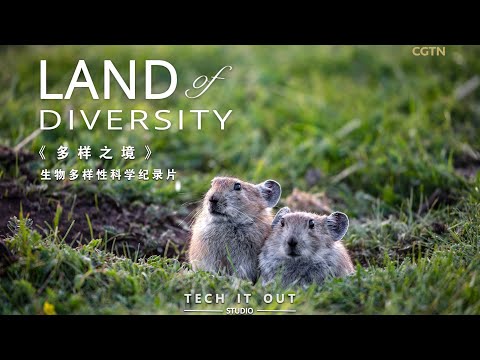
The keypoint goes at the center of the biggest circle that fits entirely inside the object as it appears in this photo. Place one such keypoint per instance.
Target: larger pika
(230, 230)
(305, 248)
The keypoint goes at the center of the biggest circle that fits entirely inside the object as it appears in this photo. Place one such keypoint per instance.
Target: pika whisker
(252, 218)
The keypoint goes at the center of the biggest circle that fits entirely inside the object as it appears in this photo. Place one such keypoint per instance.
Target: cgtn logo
(428, 51)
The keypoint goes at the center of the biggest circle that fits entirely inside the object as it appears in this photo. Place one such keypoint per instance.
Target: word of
(104, 175)
(206, 82)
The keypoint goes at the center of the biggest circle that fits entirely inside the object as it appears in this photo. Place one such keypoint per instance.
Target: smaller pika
(305, 248)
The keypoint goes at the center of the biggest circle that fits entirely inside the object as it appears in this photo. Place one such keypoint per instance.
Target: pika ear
(281, 213)
(271, 191)
(337, 225)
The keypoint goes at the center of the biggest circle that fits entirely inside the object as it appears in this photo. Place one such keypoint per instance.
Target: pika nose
(213, 199)
(292, 242)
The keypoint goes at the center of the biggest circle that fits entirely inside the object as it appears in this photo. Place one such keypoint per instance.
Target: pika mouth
(293, 254)
(216, 212)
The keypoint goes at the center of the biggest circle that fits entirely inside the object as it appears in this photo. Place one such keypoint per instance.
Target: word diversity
(103, 175)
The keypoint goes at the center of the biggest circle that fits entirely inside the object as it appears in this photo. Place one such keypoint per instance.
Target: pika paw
(231, 228)
(305, 248)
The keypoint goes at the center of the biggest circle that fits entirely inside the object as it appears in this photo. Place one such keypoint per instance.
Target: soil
(467, 164)
(135, 229)
(302, 201)
(437, 198)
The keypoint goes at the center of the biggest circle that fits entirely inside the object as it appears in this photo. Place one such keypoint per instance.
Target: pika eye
(282, 222)
(237, 187)
(311, 224)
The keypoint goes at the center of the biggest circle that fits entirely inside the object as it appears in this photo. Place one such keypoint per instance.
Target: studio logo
(428, 51)
(242, 301)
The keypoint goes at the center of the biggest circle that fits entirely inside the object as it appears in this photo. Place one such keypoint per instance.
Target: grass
(384, 129)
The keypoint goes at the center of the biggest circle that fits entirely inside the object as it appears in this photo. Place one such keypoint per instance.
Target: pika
(231, 228)
(305, 248)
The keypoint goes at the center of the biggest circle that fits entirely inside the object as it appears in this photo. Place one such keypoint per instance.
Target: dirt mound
(136, 229)
(466, 161)
(302, 201)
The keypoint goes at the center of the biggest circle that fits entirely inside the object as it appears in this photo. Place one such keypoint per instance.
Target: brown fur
(228, 236)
